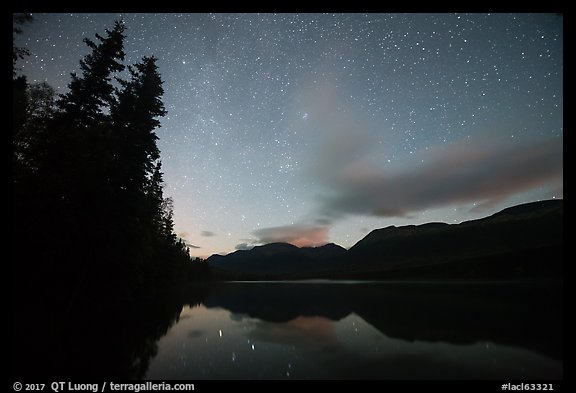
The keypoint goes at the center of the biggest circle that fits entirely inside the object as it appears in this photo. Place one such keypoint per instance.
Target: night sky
(315, 128)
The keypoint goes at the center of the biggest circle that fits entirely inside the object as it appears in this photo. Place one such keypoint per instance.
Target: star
(280, 119)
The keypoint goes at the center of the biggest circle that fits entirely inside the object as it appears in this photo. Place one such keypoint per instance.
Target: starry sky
(315, 128)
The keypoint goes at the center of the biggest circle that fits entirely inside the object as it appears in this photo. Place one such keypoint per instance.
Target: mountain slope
(523, 240)
(277, 259)
(514, 236)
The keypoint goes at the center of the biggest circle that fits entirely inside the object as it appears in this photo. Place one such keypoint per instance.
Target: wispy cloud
(244, 246)
(458, 174)
(350, 162)
(352, 167)
(207, 233)
(300, 235)
(182, 235)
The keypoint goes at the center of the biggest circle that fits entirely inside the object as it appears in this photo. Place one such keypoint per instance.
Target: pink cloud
(300, 235)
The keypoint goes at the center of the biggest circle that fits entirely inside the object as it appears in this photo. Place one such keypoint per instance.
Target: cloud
(182, 236)
(351, 164)
(244, 246)
(207, 233)
(462, 173)
(300, 235)
(323, 221)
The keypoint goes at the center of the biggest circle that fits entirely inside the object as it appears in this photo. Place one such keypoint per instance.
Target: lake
(302, 330)
(366, 330)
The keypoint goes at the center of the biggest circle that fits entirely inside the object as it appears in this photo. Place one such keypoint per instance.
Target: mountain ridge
(506, 243)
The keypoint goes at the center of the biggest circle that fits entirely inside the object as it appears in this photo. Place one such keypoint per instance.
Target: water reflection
(302, 331)
(391, 331)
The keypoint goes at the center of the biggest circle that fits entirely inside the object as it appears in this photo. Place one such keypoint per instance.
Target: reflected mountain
(223, 332)
(306, 331)
(525, 314)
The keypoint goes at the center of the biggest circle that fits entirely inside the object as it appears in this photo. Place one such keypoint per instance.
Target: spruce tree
(94, 183)
(19, 96)
(93, 90)
(135, 114)
(18, 52)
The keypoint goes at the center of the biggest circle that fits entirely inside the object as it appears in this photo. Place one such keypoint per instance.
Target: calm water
(505, 331)
(365, 330)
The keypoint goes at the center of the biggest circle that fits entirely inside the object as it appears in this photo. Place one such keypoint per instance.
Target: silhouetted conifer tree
(19, 86)
(37, 106)
(17, 51)
(134, 115)
(89, 187)
(93, 90)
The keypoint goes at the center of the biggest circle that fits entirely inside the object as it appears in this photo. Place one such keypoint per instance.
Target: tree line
(90, 218)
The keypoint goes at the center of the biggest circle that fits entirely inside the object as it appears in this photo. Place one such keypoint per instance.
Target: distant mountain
(277, 259)
(520, 241)
(524, 239)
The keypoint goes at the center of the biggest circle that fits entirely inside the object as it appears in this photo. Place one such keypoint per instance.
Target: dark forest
(90, 218)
